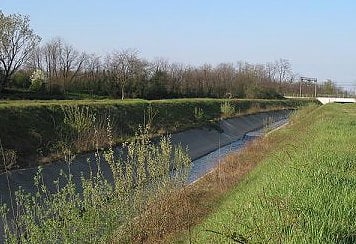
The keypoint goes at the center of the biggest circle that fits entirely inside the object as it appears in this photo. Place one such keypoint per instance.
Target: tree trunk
(122, 92)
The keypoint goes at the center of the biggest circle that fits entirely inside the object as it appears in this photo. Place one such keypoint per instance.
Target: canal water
(207, 163)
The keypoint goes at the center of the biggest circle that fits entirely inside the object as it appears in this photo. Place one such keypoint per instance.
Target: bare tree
(271, 70)
(160, 64)
(176, 73)
(92, 67)
(17, 41)
(61, 62)
(283, 69)
(71, 63)
(125, 66)
(225, 75)
(35, 60)
(51, 52)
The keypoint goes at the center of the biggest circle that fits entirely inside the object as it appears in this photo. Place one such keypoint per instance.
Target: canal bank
(199, 141)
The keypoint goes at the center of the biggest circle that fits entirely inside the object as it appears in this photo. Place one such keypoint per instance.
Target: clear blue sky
(317, 36)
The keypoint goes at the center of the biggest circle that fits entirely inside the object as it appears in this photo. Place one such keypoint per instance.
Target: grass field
(41, 129)
(303, 191)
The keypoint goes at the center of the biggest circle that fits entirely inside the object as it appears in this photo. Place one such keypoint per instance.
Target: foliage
(77, 132)
(20, 80)
(155, 88)
(17, 41)
(198, 114)
(37, 80)
(94, 209)
(123, 73)
(260, 92)
(46, 125)
(227, 110)
(8, 158)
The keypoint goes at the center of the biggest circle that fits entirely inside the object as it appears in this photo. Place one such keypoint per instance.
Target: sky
(318, 37)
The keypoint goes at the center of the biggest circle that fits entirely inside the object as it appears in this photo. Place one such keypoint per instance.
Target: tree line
(56, 67)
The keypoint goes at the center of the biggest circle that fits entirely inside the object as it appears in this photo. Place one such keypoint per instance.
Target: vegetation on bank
(37, 129)
(303, 191)
(91, 208)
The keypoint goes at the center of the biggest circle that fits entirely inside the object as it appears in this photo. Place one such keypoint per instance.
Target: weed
(198, 114)
(227, 109)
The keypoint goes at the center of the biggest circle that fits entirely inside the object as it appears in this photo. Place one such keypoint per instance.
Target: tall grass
(227, 109)
(303, 192)
(77, 129)
(99, 206)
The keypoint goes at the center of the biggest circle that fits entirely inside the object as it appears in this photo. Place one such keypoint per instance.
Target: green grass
(21, 94)
(303, 192)
(35, 128)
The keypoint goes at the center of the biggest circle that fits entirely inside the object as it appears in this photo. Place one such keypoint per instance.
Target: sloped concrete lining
(199, 141)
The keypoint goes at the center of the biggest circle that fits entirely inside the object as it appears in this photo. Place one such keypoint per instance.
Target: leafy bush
(198, 114)
(227, 110)
(37, 80)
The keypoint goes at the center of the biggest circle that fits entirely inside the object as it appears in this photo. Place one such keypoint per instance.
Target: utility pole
(300, 87)
(315, 88)
(309, 80)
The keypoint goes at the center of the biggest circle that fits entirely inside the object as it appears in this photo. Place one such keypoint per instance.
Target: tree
(17, 41)
(271, 70)
(37, 80)
(284, 69)
(155, 88)
(125, 66)
(329, 87)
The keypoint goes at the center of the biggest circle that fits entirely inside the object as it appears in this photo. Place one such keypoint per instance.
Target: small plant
(227, 110)
(267, 123)
(37, 80)
(79, 119)
(8, 158)
(79, 126)
(198, 114)
(149, 119)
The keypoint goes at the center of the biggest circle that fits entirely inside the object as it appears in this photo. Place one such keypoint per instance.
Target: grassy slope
(32, 128)
(303, 192)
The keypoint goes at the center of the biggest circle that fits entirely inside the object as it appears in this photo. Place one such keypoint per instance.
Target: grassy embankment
(302, 191)
(39, 129)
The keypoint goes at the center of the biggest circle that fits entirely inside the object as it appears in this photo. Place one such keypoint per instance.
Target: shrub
(37, 80)
(227, 109)
(198, 114)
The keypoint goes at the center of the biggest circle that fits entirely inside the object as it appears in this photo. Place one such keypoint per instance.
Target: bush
(254, 91)
(37, 80)
(21, 80)
(227, 110)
